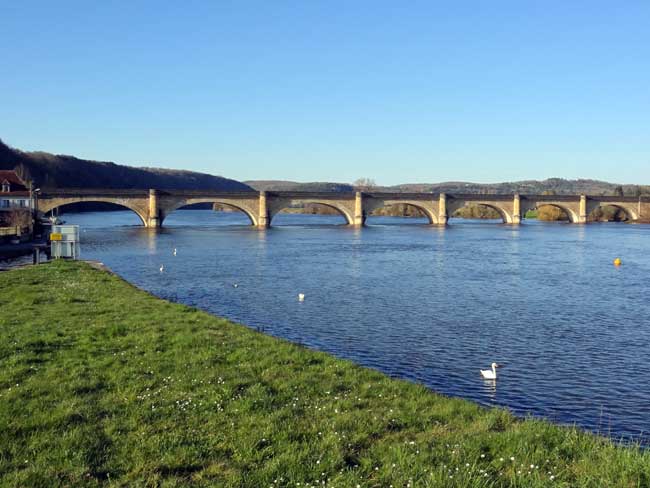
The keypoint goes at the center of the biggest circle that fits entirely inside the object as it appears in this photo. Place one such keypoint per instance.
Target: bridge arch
(278, 207)
(427, 213)
(45, 205)
(506, 216)
(570, 213)
(630, 213)
(242, 207)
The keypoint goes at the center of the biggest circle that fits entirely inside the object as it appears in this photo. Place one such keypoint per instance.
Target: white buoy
(162, 268)
(301, 297)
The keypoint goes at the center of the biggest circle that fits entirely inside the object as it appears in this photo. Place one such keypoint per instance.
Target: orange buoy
(617, 262)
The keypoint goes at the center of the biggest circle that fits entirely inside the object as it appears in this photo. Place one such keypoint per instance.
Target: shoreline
(242, 408)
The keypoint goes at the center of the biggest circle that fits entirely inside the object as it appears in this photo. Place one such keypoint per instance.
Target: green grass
(103, 384)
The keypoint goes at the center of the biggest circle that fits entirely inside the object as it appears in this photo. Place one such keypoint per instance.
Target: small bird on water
(235, 285)
(162, 268)
(301, 297)
(174, 251)
(490, 374)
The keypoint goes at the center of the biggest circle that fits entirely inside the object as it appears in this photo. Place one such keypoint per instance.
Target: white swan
(490, 374)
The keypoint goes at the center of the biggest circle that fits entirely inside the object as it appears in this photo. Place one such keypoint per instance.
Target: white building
(14, 193)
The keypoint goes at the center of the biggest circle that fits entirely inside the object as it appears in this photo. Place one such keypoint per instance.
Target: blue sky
(417, 91)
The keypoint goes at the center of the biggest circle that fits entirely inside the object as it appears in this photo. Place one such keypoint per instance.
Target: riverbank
(16, 255)
(102, 383)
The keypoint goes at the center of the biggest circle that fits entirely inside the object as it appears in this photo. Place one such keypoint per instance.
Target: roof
(16, 184)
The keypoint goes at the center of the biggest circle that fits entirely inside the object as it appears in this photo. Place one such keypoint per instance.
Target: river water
(432, 305)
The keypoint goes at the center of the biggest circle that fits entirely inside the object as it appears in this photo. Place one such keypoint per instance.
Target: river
(432, 305)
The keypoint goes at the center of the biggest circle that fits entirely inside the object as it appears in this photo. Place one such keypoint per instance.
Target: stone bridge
(153, 206)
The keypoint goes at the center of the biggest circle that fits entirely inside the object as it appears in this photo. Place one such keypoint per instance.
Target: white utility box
(65, 241)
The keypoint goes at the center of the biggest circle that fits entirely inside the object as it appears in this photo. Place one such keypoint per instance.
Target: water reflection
(490, 389)
(152, 239)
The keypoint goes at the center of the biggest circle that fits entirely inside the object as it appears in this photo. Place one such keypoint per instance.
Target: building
(14, 193)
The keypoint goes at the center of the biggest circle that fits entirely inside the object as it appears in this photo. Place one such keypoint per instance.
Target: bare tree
(365, 184)
(15, 217)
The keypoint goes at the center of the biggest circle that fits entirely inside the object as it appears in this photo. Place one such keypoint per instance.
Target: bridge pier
(359, 211)
(442, 209)
(643, 209)
(153, 219)
(263, 221)
(516, 210)
(582, 213)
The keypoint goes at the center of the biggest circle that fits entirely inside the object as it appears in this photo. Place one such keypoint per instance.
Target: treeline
(551, 186)
(278, 185)
(47, 170)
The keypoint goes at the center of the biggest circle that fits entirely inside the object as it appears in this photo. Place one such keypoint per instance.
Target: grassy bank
(101, 383)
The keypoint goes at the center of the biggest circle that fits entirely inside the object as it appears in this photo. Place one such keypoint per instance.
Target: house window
(5, 187)
(4, 203)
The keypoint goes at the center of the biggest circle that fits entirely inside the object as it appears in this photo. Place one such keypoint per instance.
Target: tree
(15, 217)
(618, 191)
(365, 184)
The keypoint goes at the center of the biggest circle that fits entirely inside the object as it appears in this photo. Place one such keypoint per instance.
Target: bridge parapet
(86, 192)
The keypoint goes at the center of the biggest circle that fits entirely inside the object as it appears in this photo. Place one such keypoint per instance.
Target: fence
(16, 230)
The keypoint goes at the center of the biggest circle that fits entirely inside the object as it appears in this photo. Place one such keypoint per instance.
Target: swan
(490, 374)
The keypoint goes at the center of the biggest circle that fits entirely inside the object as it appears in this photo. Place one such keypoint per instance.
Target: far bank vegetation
(546, 213)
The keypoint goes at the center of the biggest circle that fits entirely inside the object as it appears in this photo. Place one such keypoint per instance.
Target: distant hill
(278, 185)
(557, 186)
(52, 171)
(59, 171)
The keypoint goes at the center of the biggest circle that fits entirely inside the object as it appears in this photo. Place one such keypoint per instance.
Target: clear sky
(417, 91)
